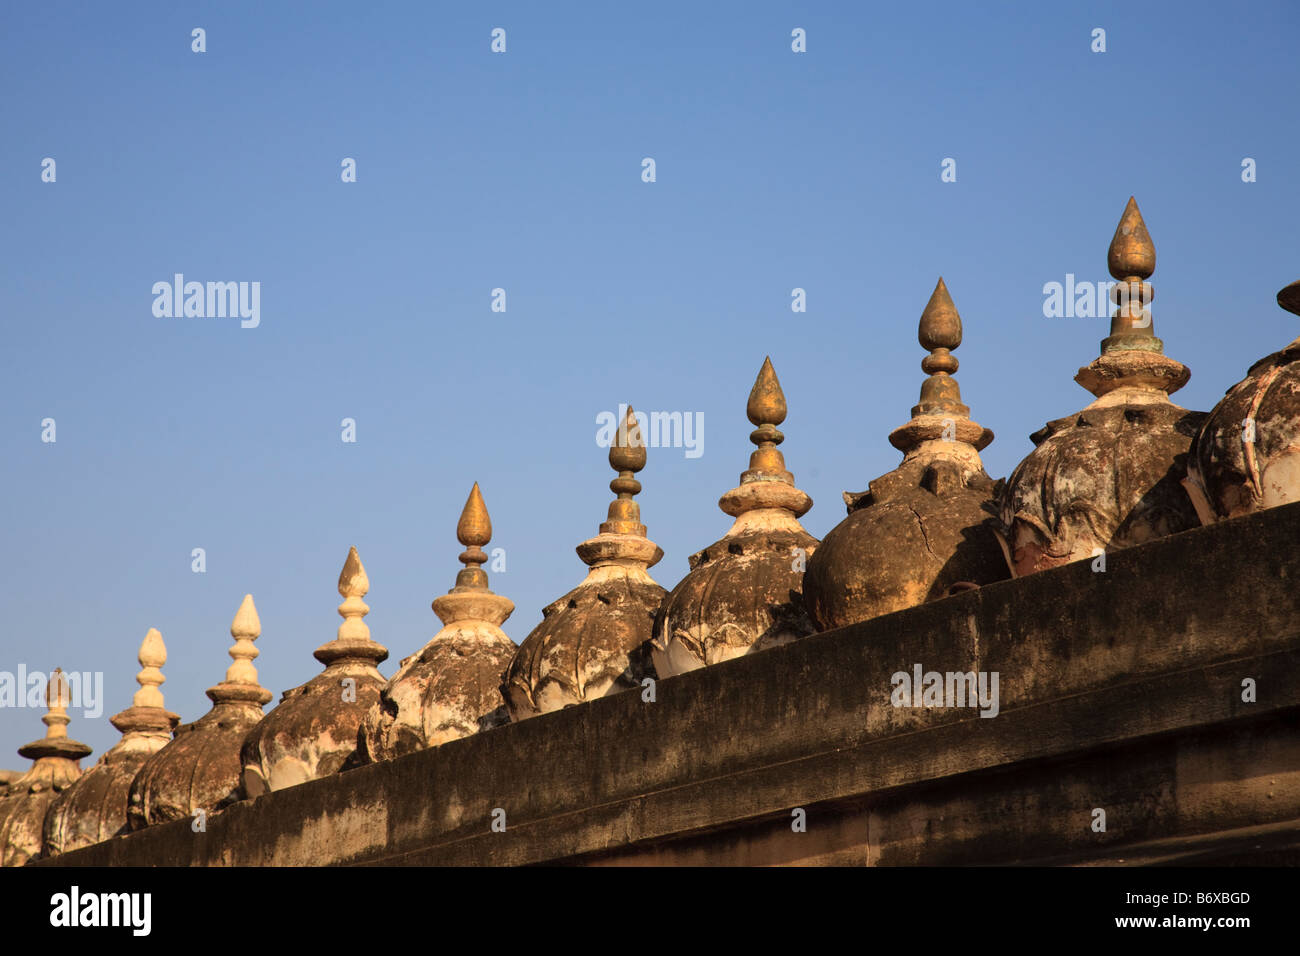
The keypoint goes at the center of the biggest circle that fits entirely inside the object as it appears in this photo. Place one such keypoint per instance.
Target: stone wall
(1119, 690)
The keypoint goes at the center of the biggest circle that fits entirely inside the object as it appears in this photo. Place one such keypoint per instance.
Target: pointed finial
(1132, 255)
(152, 656)
(353, 586)
(766, 485)
(473, 531)
(353, 641)
(627, 456)
(245, 629)
(939, 331)
(241, 683)
(1131, 356)
(940, 413)
(1131, 259)
(766, 404)
(766, 408)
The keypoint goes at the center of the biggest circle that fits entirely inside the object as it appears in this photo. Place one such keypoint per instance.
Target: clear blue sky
(523, 171)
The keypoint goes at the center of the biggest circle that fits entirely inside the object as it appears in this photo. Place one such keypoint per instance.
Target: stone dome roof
(595, 640)
(94, 807)
(927, 527)
(56, 766)
(744, 591)
(315, 730)
(1247, 453)
(200, 768)
(452, 687)
(1109, 477)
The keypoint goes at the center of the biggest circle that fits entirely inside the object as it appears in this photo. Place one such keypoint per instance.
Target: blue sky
(522, 171)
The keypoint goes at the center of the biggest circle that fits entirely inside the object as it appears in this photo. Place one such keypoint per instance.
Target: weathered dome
(200, 768)
(94, 808)
(315, 730)
(56, 765)
(1247, 453)
(926, 528)
(744, 592)
(1110, 476)
(452, 687)
(595, 640)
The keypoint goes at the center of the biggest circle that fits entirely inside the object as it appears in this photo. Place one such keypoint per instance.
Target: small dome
(94, 808)
(744, 592)
(925, 529)
(452, 687)
(1247, 453)
(200, 768)
(315, 729)
(56, 765)
(595, 640)
(1110, 476)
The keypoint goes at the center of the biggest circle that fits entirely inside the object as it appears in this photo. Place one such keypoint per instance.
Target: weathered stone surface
(596, 639)
(27, 797)
(200, 769)
(1247, 452)
(1121, 690)
(94, 807)
(1107, 477)
(744, 593)
(1111, 476)
(452, 687)
(927, 528)
(315, 730)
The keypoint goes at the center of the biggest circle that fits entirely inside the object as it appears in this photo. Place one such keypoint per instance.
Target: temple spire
(627, 456)
(56, 742)
(940, 414)
(766, 485)
(1132, 358)
(241, 676)
(353, 638)
(471, 598)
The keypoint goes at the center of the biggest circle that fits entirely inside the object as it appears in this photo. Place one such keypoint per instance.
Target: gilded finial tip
(1131, 251)
(766, 404)
(353, 581)
(627, 450)
(475, 527)
(940, 325)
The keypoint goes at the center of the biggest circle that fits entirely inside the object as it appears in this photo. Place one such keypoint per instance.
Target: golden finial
(1131, 259)
(474, 530)
(353, 586)
(766, 408)
(1132, 254)
(766, 405)
(627, 456)
(245, 629)
(939, 332)
(940, 413)
(152, 656)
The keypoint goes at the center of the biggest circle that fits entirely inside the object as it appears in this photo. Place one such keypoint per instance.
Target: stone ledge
(1088, 661)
